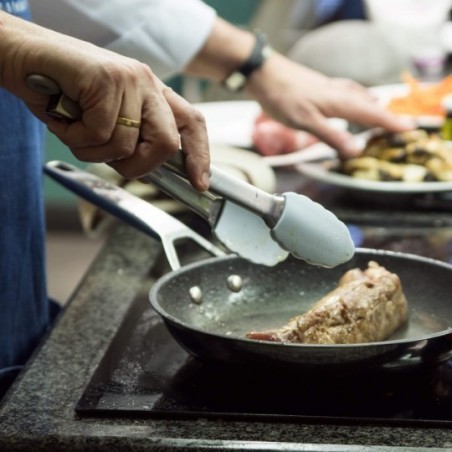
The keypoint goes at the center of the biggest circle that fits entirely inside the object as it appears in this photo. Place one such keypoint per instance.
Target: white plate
(385, 93)
(232, 122)
(446, 36)
(324, 172)
(247, 165)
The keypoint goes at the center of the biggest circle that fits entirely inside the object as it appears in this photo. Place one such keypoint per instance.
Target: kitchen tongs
(259, 226)
(240, 214)
(293, 222)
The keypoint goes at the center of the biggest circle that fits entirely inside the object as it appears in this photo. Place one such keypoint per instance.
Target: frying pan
(210, 305)
(213, 325)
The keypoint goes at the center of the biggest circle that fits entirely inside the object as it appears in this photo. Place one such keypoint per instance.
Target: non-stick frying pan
(215, 324)
(210, 305)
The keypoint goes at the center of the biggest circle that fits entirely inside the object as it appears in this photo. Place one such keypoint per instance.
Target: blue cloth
(24, 307)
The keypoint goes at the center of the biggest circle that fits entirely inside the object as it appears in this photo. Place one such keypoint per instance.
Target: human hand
(106, 86)
(304, 99)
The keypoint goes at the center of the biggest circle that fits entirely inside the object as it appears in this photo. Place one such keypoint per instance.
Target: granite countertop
(38, 413)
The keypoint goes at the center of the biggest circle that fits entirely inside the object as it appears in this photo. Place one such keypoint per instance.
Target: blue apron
(24, 307)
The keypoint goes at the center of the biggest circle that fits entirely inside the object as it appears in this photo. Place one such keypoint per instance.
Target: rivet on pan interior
(235, 283)
(196, 294)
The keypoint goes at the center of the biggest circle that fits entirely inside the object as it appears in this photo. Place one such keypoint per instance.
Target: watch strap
(237, 79)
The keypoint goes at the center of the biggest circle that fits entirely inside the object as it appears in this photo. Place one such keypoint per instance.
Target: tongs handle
(127, 207)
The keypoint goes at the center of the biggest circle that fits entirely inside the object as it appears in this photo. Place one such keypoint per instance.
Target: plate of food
(417, 161)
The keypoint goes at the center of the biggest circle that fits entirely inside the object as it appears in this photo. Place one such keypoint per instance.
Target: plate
(249, 166)
(446, 36)
(232, 123)
(385, 93)
(324, 172)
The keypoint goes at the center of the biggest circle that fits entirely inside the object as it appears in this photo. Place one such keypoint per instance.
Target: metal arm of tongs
(172, 178)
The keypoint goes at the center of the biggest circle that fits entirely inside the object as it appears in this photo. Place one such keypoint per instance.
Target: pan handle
(129, 208)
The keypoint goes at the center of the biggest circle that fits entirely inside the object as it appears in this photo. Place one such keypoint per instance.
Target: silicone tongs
(259, 226)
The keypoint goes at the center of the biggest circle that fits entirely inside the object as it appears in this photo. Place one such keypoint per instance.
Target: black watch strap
(237, 80)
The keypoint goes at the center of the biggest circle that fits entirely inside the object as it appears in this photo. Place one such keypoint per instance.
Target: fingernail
(205, 179)
(351, 148)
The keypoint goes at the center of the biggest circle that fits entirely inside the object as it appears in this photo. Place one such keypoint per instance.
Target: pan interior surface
(270, 296)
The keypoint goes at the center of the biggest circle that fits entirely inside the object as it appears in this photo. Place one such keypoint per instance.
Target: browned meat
(367, 306)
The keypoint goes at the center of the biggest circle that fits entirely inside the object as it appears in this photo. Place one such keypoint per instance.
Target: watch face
(236, 81)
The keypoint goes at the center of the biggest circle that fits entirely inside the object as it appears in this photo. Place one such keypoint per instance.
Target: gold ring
(128, 122)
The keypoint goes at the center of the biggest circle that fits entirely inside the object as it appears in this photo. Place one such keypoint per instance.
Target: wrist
(238, 78)
(13, 50)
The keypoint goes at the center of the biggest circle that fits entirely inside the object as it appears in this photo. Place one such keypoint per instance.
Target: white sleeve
(166, 34)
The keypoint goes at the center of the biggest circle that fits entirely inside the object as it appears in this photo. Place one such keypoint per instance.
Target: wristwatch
(237, 79)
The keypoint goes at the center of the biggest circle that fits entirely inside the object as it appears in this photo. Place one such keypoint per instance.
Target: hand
(301, 98)
(106, 86)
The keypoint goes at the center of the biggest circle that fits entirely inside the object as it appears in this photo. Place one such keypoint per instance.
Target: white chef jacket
(166, 34)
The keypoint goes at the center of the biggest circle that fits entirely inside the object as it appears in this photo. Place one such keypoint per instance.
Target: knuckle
(127, 171)
(100, 136)
(122, 74)
(172, 143)
(123, 151)
(197, 116)
(166, 145)
(128, 149)
(346, 83)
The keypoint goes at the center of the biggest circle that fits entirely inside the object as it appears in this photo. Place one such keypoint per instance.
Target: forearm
(226, 48)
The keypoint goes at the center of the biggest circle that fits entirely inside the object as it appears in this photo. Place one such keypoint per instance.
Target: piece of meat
(367, 306)
(273, 138)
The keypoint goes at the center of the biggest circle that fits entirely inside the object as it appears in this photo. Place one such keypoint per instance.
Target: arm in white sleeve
(166, 34)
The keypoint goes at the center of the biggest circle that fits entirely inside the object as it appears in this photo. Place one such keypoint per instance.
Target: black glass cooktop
(146, 373)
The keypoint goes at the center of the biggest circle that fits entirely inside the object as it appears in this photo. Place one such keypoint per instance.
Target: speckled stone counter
(38, 413)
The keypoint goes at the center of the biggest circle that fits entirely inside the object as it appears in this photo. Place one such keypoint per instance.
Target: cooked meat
(367, 306)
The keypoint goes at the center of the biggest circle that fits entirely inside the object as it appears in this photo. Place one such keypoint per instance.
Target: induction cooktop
(145, 372)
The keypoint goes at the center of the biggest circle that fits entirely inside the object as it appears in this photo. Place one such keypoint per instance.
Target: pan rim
(153, 299)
